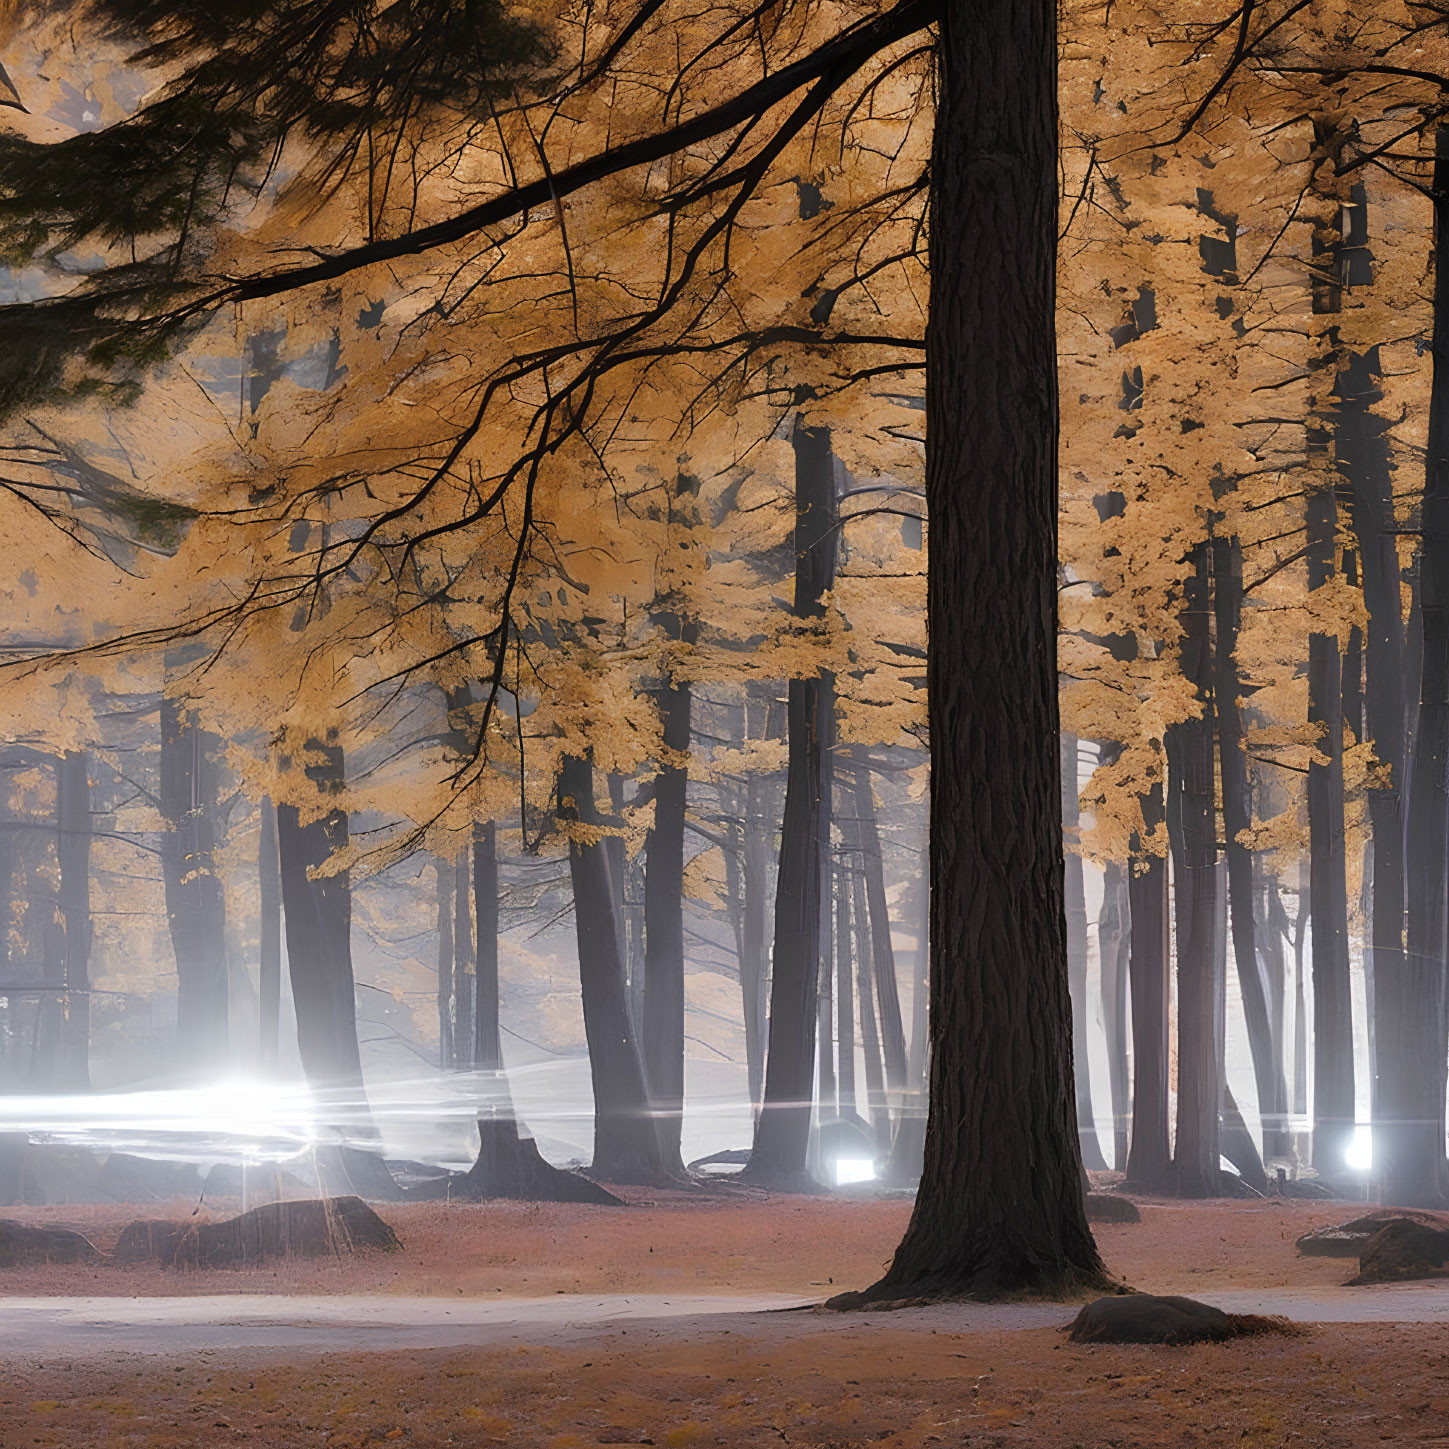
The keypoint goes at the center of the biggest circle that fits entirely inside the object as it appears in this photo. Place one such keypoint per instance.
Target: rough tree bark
(1000, 1207)
(626, 1144)
(782, 1135)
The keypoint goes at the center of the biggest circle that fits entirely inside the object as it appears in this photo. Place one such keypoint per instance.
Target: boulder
(1403, 1249)
(259, 1183)
(1107, 1207)
(55, 1173)
(305, 1228)
(124, 1178)
(1148, 1318)
(22, 1244)
(1348, 1240)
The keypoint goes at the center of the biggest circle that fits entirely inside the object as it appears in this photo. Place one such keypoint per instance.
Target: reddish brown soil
(706, 1243)
(1346, 1387)
(879, 1381)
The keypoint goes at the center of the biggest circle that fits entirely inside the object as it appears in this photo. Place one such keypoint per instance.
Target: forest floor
(909, 1380)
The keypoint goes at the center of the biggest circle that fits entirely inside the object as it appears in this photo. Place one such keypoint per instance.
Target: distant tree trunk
(487, 1030)
(1076, 916)
(1149, 1161)
(1192, 830)
(627, 921)
(1411, 1002)
(1333, 1084)
(1112, 941)
(446, 882)
(1237, 818)
(73, 817)
(782, 1135)
(1000, 1207)
(195, 904)
(462, 960)
(829, 1091)
(866, 834)
(845, 999)
(877, 1112)
(626, 1144)
(664, 883)
(269, 980)
(318, 912)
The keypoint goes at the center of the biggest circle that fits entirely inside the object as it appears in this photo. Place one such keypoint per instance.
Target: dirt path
(39, 1328)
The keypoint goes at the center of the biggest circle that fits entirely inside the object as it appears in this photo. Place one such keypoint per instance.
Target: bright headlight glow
(853, 1169)
(1359, 1154)
(243, 1112)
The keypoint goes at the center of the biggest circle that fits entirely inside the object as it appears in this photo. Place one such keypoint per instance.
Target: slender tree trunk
(269, 978)
(1237, 818)
(195, 905)
(829, 1091)
(462, 960)
(1076, 915)
(1192, 829)
(626, 1144)
(782, 1135)
(487, 1031)
(877, 1112)
(1149, 1162)
(73, 817)
(446, 882)
(1000, 1207)
(845, 1000)
(1412, 1046)
(866, 834)
(664, 906)
(1333, 1076)
(1112, 950)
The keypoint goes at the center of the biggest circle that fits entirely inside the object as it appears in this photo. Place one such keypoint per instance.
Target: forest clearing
(724, 721)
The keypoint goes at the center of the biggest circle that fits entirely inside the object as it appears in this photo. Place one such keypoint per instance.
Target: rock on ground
(1348, 1240)
(22, 1244)
(1107, 1207)
(1403, 1248)
(306, 1228)
(1148, 1318)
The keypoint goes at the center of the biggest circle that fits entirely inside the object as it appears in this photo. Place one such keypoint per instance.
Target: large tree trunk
(1000, 1207)
(195, 904)
(269, 978)
(1076, 914)
(782, 1135)
(1411, 1037)
(626, 1144)
(318, 911)
(1192, 829)
(73, 818)
(1237, 818)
